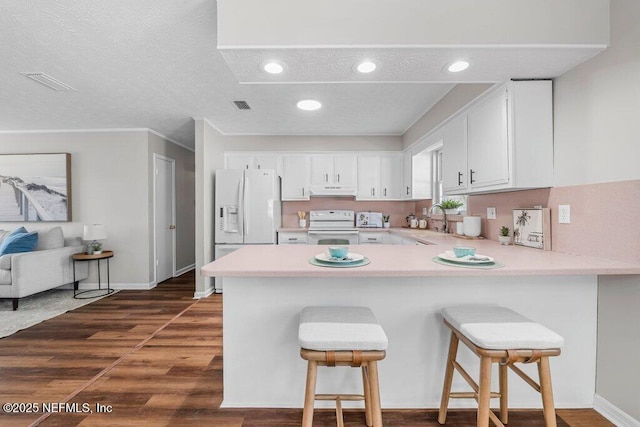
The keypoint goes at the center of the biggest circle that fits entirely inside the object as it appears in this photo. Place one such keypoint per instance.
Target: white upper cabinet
(295, 177)
(454, 156)
(391, 177)
(380, 177)
(333, 170)
(253, 161)
(407, 179)
(488, 142)
(503, 142)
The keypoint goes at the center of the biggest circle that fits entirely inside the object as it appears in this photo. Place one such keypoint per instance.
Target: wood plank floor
(154, 358)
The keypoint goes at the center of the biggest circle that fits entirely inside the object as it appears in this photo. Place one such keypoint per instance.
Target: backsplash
(603, 217)
(397, 209)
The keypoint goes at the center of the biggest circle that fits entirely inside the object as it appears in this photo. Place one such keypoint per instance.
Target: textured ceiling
(154, 64)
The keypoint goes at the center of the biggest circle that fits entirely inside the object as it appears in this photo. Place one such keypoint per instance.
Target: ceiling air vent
(242, 105)
(48, 81)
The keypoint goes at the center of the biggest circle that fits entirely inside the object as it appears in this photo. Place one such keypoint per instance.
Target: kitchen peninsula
(267, 286)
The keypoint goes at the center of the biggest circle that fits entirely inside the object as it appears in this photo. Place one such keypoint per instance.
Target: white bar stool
(498, 335)
(342, 336)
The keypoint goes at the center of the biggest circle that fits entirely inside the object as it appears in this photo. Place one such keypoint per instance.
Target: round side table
(80, 257)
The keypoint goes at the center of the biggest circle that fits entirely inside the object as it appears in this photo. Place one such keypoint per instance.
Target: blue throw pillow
(21, 242)
(20, 230)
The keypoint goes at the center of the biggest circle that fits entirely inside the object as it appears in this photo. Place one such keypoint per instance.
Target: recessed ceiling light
(309, 104)
(458, 66)
(273, 68)
(366, 67)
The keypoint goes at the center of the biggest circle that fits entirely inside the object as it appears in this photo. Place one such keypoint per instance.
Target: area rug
(38, 308)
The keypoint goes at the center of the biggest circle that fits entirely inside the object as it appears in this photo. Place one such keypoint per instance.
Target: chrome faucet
(444, 217)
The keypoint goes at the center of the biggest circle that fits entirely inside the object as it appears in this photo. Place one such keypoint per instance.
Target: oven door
(333, 237)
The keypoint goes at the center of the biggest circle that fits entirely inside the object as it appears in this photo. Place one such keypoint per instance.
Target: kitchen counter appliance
(332, 227)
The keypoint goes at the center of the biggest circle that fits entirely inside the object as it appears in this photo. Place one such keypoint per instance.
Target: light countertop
(410, 260)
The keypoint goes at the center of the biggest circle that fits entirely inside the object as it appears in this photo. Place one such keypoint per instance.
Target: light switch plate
(491, 213)
(564, 214)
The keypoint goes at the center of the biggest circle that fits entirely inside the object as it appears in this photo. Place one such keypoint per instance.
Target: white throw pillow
(50, 238)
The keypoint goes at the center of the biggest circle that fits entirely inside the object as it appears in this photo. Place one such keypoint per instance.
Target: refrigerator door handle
(241, 208)
(244, 203)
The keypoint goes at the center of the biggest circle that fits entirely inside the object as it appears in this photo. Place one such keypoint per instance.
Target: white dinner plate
(476, 259)
(351, 257)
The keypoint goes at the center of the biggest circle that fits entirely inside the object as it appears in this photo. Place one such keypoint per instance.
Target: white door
(321, 170)
(345, 171)
(454, 156)
(391, 176)
(368, 177)
(295, 177)
(164, 214)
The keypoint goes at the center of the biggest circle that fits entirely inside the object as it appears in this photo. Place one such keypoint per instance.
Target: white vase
(387, 225)
(504, 240)
(451, 211)
(302, 223)
(472, 226)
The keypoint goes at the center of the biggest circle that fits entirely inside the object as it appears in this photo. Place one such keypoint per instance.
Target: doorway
(164, 214)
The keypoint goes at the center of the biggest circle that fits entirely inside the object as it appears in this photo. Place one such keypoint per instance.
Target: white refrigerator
(247, 210)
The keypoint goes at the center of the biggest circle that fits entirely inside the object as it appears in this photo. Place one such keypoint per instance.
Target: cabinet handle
(407, 190)
(385, 191)
(338, 177)
(471, 172)
(293, 238)
(326, 177)
(258, 166)
(303, 191)
(459, 178)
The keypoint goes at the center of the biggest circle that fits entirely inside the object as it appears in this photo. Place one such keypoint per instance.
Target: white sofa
(48, 266)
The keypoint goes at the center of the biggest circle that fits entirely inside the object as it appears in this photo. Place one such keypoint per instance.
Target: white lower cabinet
(292, 238)
(373, 238)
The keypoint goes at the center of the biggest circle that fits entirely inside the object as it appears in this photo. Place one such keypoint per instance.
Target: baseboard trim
(204, 293)
(613, 413)
(184, 270)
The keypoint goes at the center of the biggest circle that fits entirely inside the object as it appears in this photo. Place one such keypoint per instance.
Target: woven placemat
(360, 263)
(487, 266)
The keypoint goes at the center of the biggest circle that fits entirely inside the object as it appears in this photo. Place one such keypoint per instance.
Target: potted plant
(504, 238)
(96, 247)
(385, 220)
(450, 206)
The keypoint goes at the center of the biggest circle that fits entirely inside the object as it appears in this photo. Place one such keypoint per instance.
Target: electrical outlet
(564, 214)
(424, 211)
(491, 213)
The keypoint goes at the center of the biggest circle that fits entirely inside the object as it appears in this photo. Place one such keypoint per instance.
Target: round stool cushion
(499, 328)
(340, 329)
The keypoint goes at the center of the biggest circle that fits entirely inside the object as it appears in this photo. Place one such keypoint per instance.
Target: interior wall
(209, 157)
(185, 199)
(109, 186)
(596, 141)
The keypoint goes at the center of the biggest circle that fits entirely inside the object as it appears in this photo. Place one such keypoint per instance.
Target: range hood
(332, 191)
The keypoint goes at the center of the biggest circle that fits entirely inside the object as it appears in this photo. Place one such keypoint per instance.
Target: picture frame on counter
(532, 228)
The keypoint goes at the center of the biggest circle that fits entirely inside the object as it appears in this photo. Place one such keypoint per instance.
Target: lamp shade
(94, 232)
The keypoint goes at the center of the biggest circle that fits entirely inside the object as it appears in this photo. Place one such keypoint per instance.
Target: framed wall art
(532, 228)
(35, 187)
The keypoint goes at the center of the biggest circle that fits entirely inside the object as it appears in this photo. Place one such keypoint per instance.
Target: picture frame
(35, 187)
(532, 228)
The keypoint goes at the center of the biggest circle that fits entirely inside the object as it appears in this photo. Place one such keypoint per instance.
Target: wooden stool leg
(504, 394)
(367, 394)
(448, 379)
(544, 372)
(376, 410)
(484, 392)
(309, 394)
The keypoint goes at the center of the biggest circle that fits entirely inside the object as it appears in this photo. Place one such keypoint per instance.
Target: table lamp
(93, 233)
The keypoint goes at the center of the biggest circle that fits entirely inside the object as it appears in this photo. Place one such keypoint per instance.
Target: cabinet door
(238, 161)
(321, 170)
(295, 177)
(422, 176)
(407, 171)
(368, 177)
(391, 176)
(266, 161)
(488, 143)
(454, 156)
(345, 170)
